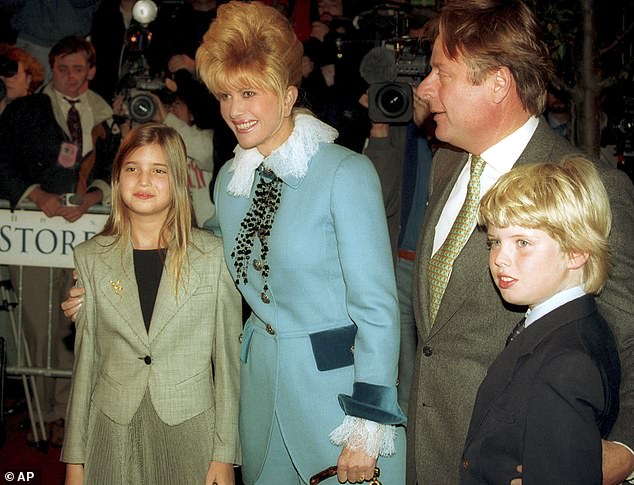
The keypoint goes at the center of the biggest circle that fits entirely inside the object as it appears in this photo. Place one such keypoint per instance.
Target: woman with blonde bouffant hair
(306, 241)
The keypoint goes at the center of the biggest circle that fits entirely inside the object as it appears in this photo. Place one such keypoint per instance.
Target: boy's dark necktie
(517, 329)
(74, 126)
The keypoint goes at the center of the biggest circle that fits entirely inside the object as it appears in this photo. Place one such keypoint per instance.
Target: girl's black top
(148, 268)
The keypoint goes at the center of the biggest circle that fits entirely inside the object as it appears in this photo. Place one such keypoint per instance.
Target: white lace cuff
(372, 438)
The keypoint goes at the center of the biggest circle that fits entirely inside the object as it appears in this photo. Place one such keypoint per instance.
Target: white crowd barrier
(29, 238)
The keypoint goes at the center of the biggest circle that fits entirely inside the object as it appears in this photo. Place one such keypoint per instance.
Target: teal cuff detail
(373, 402)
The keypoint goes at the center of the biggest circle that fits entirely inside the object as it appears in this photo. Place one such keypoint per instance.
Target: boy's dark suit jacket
(546, 402)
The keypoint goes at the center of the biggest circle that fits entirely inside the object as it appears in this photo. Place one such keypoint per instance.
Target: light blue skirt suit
(326, 343)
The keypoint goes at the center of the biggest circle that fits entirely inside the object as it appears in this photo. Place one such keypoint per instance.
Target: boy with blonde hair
(552, 394)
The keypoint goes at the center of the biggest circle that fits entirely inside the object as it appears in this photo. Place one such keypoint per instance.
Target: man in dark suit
(43, 139)
(486, 90)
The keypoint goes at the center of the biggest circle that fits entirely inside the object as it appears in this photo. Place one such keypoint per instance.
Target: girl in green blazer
(154, 396)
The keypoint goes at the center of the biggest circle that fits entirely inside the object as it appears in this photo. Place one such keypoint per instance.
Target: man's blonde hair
(566, 200)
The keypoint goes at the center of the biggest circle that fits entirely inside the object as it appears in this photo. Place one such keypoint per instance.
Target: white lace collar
(289, 159)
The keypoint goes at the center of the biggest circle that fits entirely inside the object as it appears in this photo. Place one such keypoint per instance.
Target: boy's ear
(577, 260)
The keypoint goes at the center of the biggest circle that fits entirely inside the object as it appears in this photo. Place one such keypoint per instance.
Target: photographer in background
(200, 150)
(401, 153)
(108, 34)
(20, 72)
(60, 118)
(617, 135)
(332, 83)
(172, 108)
(43, 140)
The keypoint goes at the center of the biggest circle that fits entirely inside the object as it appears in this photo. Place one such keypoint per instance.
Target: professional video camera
(137, 89)
(392, 68)
(401, 66)
(136, 82)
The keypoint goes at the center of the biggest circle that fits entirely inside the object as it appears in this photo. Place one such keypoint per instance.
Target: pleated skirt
(147, 451)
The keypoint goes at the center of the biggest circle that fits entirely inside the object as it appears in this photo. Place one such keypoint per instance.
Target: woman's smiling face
(257, 117)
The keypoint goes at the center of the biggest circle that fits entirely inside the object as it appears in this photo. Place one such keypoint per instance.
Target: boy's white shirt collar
(289, 159)
(552, 303)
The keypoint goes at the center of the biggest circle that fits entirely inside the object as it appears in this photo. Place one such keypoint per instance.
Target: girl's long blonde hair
(175, 234)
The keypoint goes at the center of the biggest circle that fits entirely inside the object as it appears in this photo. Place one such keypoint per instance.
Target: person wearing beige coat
(154, 396)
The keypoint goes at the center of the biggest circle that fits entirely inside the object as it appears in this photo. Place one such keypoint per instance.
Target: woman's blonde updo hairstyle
(250, 45)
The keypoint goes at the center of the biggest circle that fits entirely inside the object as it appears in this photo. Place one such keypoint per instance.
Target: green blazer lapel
(167, 304)
(119, 287)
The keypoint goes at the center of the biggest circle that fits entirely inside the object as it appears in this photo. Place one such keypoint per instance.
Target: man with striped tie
(43, 139)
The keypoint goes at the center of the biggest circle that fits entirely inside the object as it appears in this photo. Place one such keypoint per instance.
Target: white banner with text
(29, 238)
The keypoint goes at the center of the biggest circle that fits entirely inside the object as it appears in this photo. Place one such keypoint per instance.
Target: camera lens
(392, 100)
(142, 108)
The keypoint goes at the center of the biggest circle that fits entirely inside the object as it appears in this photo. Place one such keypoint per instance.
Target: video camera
(137, 89)
(136, 82)
(392, 68)
(392, 100)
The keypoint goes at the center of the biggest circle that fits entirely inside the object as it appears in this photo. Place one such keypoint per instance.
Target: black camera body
(137, 89)
(393, 101)
(395, 65)
(137, 83)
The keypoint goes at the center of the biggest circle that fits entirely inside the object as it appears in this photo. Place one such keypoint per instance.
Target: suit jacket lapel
(500, 373)
(464, 276)
(120, 289)
(167, 304)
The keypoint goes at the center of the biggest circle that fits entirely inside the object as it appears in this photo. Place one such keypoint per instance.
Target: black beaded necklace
(258, 222)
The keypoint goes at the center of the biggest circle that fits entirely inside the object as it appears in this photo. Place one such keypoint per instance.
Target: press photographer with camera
(44, 138)
(399, 146)
(60, 118)
(174, 109)
(331, 82)
(144, 93)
